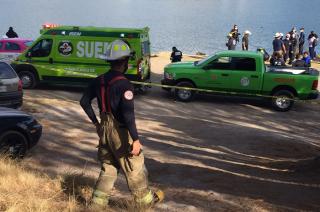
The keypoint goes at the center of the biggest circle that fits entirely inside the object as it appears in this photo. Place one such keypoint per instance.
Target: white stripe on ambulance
(91, 49)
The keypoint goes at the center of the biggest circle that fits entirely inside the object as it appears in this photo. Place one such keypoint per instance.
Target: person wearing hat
(245, 40)
(278, 45)
(302, 39)
(11, 33)
(119, 145)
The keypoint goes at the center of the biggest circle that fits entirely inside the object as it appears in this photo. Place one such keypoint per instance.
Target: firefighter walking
(119, 146)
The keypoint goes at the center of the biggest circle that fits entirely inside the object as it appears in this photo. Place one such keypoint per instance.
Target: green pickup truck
(243, 74)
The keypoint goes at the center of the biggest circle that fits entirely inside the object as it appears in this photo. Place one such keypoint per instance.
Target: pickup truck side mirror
(29, 54)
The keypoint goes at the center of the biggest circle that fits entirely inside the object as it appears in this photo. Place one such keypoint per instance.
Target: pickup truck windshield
(200, 62)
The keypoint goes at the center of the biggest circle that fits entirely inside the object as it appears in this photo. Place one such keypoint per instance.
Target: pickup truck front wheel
(282, 100)
(184, 95)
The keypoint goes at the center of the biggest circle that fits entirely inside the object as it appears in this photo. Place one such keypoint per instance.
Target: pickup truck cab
(244, 74)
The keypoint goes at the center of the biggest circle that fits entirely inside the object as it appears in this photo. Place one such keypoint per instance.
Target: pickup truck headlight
(169, 76)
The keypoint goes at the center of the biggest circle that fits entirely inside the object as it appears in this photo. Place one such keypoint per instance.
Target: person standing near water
(232, 42)
(302, 38)
(176, 55)
(11, 33)
(313, 42)
(294, 47)
(245, 40)
(278, 45)
(287, 44)
(235, 32)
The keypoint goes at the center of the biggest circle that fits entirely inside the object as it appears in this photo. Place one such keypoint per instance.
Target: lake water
(191, 25)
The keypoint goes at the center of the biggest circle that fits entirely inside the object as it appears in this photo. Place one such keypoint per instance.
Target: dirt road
(212, 154)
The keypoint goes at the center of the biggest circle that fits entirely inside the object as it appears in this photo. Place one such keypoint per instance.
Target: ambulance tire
(28, 79)
(282, 100)
(184, 95)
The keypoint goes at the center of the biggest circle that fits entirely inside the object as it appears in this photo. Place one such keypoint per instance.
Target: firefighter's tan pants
(113, 153)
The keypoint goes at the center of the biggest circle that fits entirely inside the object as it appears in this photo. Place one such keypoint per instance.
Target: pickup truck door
(216, 74)
(246, 76)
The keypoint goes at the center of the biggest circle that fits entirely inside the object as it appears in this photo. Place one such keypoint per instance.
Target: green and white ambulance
(72, 55)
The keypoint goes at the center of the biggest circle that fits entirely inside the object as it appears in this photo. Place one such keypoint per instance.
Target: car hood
(5, 112)
(181, 65)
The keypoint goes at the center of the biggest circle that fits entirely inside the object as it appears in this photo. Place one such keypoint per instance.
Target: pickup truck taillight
(139, 69)
(315, 85)
(20, 85)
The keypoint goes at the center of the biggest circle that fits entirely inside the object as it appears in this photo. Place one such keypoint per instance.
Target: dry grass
(24, 190)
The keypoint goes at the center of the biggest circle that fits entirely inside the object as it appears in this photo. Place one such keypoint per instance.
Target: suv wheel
(28, 79)
(13, 144)
(282, 100)
(184, 95)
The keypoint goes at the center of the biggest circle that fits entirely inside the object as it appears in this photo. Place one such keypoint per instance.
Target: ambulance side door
(77, 59)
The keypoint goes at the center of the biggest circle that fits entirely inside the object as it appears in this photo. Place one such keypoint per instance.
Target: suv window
(1, 44)
(42, 48)
(233, 63)
(6, 72)
(12, 46)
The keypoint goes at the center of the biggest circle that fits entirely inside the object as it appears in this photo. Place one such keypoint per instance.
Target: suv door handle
(224, 75)
(254, 76)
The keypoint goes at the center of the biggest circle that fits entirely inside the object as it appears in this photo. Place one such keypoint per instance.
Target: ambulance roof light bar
(49, 26)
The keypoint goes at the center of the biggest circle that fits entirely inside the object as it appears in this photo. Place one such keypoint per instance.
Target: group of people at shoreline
(288, 49)
(291, 48)
(233, 39)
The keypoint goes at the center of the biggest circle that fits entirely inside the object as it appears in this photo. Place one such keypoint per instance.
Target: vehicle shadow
(208, 153)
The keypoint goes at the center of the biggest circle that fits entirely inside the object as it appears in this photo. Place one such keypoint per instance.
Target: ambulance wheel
(282, 100)
(184, 95)
(28, 79)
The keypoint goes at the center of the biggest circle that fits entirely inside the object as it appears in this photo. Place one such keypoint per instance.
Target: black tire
(282, 100)
(28, 79)
(13, 144)
(182, 94)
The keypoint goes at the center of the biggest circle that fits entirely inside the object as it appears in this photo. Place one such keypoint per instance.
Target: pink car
(10, 48)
